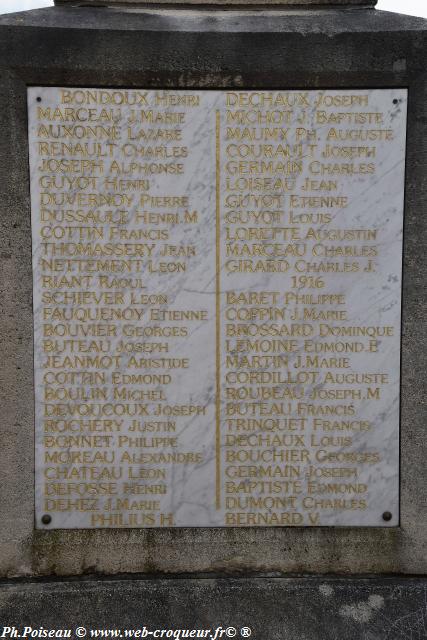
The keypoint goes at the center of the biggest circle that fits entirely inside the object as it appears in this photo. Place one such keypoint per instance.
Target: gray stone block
(273, 608)
(162, 48)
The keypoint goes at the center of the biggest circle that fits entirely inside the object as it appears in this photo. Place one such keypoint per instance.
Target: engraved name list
(217, 292)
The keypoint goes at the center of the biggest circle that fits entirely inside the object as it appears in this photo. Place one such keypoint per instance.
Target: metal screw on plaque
(46, 518)
(387, 516)
(38, 99)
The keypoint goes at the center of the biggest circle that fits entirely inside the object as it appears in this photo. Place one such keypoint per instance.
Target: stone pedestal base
(272, 608)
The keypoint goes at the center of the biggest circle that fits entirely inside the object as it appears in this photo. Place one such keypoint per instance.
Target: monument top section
(283, 3)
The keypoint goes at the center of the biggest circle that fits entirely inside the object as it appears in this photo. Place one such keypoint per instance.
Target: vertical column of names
(122, 305)
(310, 309)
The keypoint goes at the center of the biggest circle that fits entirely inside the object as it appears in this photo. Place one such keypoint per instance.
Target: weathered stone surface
(91, 47)
(272, 608)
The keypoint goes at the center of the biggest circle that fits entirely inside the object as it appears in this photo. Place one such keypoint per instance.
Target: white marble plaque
(217, 293)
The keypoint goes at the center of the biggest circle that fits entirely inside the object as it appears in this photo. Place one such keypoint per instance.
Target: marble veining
(217, 295)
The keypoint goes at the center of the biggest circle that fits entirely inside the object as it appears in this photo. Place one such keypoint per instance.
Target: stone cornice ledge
(293, 4)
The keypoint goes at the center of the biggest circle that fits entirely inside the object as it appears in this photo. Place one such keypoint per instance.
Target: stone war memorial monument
(212, 329)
